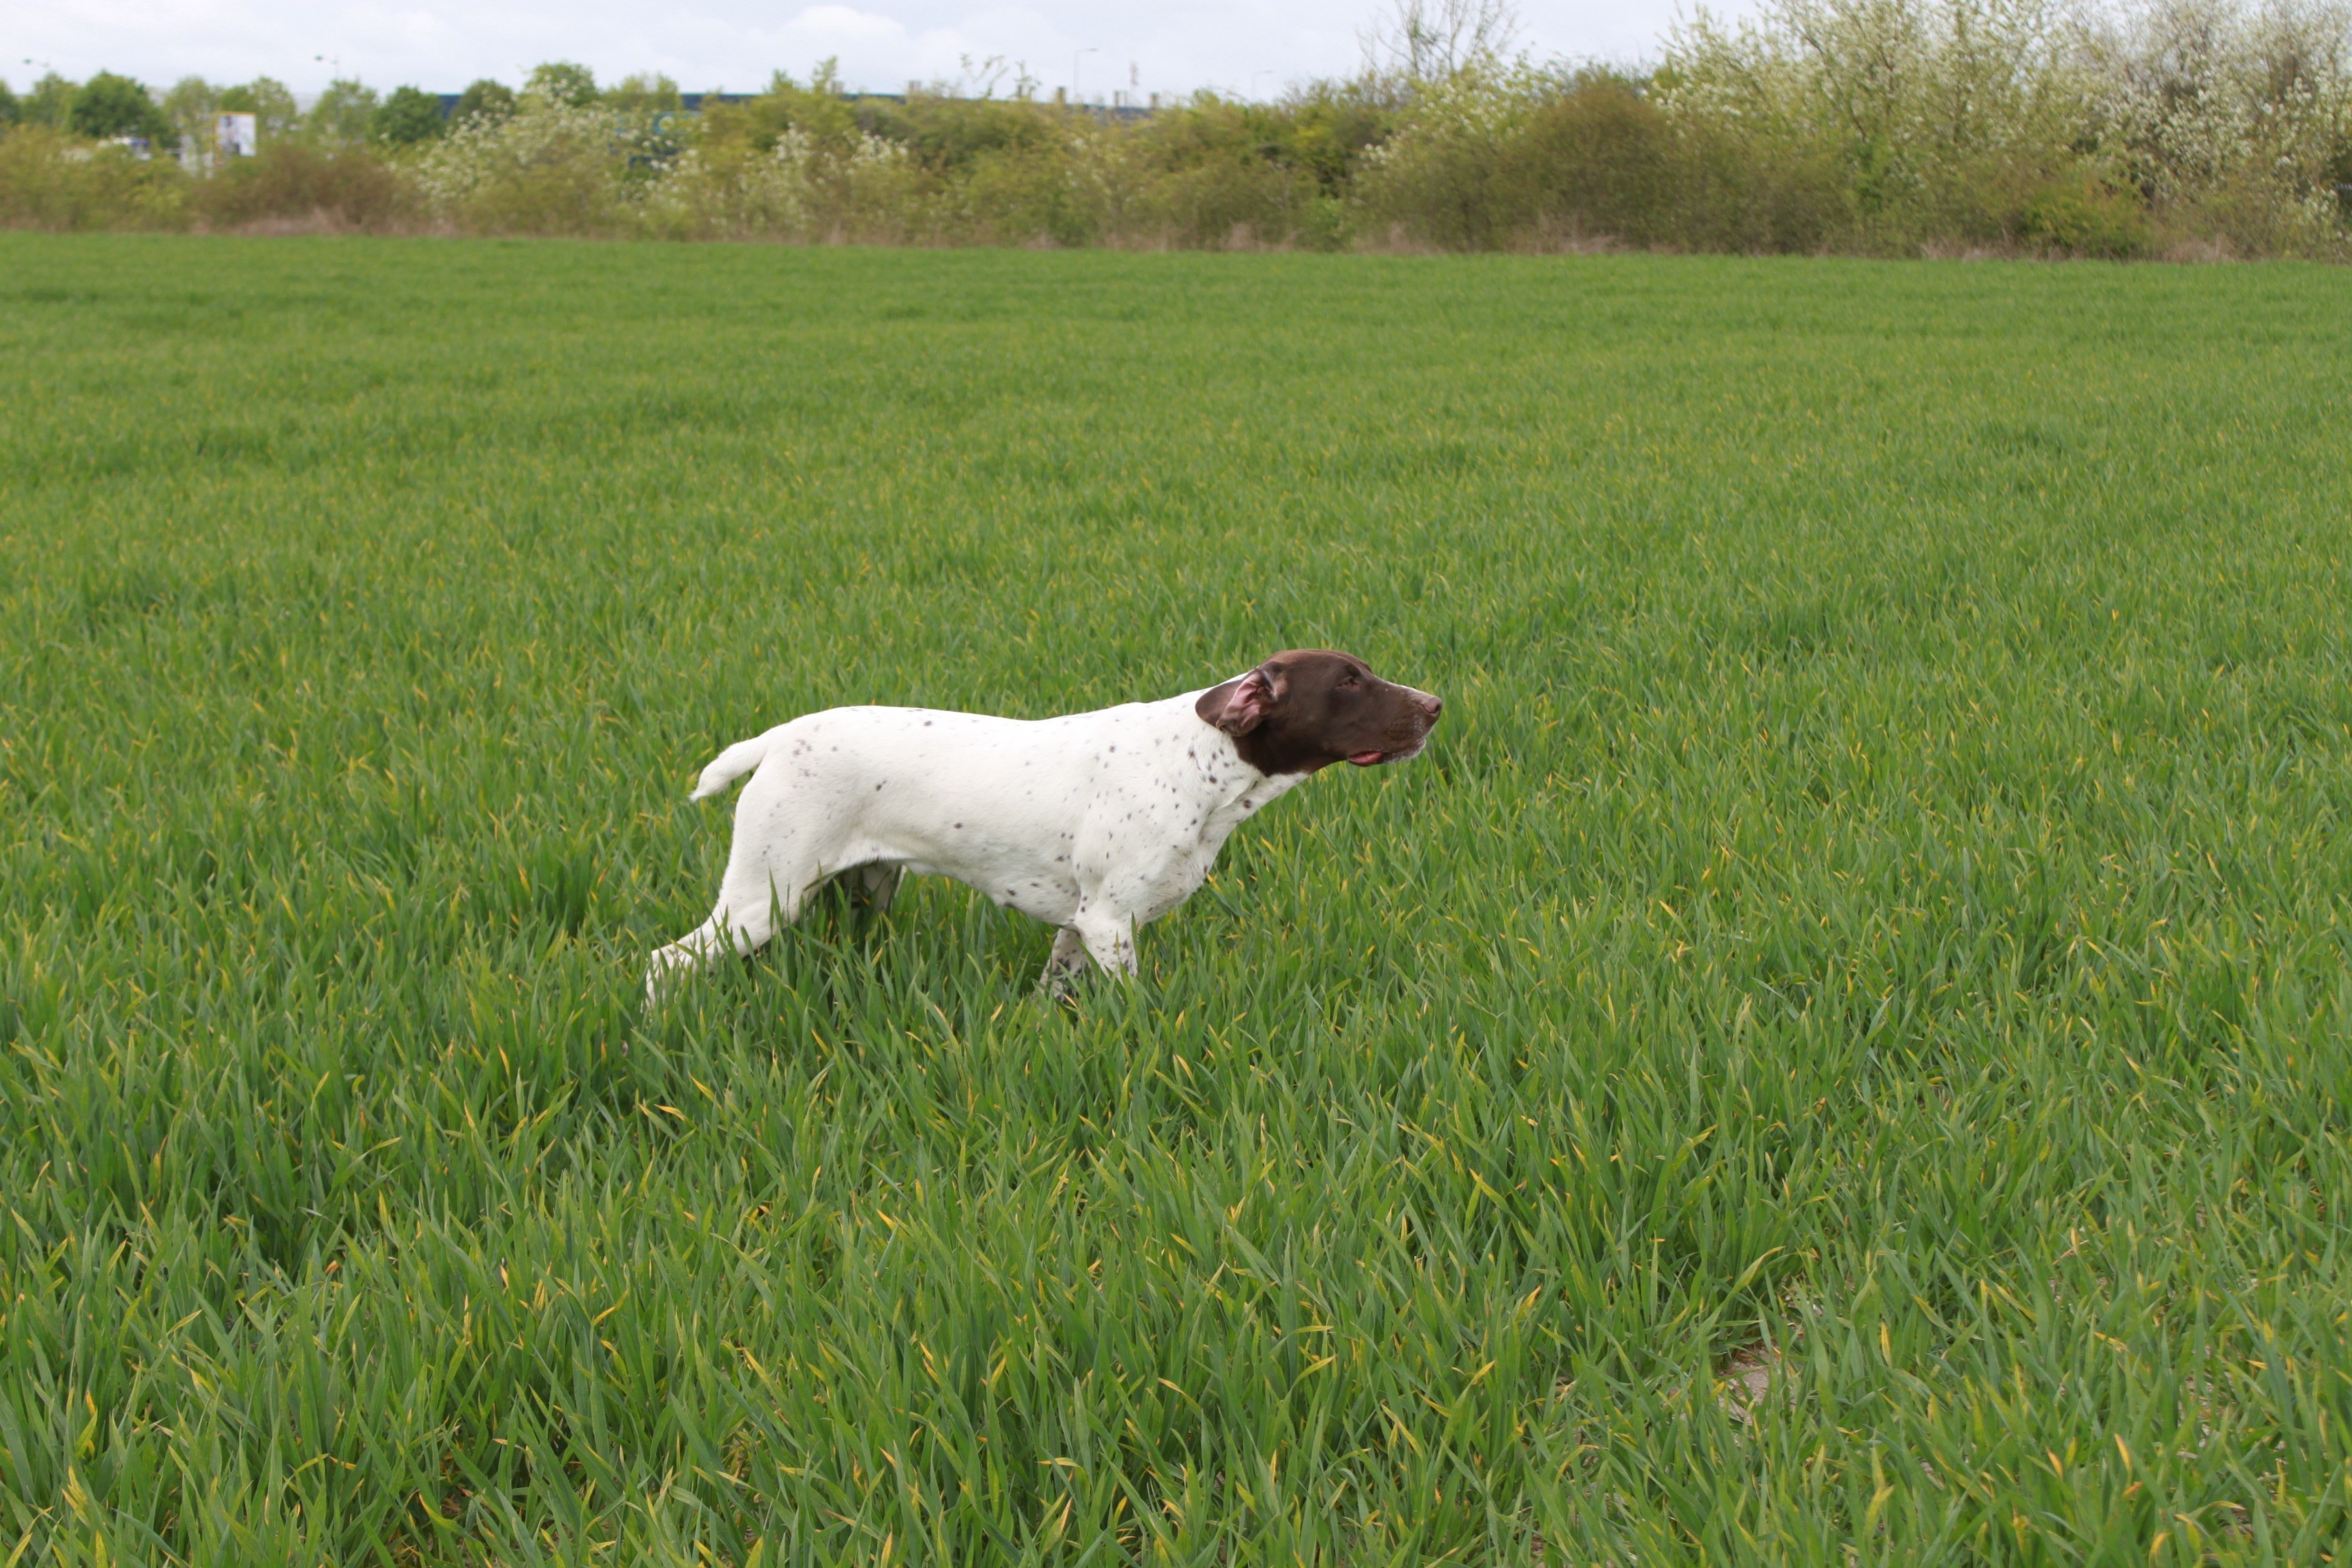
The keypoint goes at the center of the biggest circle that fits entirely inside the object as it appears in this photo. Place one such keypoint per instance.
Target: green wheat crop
(1839, 1045)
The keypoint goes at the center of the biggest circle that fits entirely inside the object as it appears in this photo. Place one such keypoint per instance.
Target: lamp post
(46, 69)
(1075, 57)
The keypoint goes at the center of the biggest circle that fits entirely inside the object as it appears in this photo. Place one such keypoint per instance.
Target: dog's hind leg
(734, 926)
(760, 892)
(879, 881)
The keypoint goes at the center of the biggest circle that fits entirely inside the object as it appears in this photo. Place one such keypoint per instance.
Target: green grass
(1875, 914)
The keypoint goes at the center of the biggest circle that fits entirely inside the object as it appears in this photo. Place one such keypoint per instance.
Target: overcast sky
(1236, 45)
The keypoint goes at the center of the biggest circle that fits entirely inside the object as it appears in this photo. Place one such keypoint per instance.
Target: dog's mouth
(1374, 759)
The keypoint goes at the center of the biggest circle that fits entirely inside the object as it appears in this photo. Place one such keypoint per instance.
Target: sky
(1237, 47)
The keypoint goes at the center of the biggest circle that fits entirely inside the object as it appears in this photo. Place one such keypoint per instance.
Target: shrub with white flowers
(549, 167)
(806, 187)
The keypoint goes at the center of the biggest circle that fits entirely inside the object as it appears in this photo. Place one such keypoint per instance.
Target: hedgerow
(1875, 127)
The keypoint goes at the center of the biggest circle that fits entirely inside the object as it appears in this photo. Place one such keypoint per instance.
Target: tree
(108, 106)
(1435, 40)
(191, 106)
(643, 94)
(343, 115)
(51, 103)
(9, 112)
(270, 104)
(410, 115)
(485, 100)
(562, 82)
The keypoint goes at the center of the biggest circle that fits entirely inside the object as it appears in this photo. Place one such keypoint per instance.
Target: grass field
(1873, 926)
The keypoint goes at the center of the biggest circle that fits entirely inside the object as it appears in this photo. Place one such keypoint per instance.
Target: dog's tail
(729, 766)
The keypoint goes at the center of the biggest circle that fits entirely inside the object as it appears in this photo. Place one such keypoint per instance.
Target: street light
(1074, 72)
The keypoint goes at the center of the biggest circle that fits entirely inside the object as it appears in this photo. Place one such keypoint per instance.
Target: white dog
(1094, 822)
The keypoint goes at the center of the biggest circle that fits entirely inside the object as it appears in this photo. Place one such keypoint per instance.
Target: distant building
(691, 103)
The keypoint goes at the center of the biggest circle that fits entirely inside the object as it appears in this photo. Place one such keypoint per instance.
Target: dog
(1095, 823)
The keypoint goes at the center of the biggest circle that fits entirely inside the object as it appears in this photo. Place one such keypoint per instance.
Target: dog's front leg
(1068, 959)
(1109, 940)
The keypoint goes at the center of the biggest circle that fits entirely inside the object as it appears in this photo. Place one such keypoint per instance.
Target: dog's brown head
(1308, 708)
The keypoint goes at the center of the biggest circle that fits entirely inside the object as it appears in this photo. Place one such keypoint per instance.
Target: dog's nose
(1432, 706)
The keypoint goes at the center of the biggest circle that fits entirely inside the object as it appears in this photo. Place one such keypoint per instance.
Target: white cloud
(835, 21)
(1233, 45)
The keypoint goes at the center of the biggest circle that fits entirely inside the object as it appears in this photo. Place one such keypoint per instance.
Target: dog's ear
(1240, 706)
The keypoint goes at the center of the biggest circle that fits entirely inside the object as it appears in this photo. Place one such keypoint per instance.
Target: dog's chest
(1172, 794)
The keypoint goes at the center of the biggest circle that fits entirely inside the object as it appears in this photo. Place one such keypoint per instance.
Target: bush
(53, 182)
(1898, 123)
(2084, 218)
(809, 164)
(1217, 172)
(1033, 192)
(945, 136)
(1598, 160)
(291, 181)
(1444, 179)
(1871, 126)
(859, 187)
(547, 169)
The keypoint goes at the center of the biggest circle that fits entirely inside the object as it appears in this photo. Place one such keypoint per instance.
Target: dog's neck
(1229, 778)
